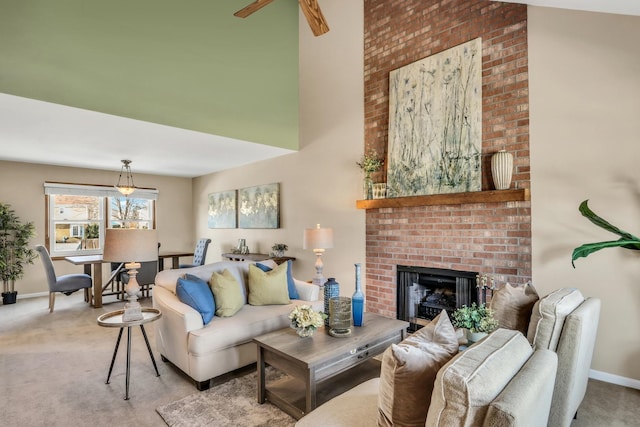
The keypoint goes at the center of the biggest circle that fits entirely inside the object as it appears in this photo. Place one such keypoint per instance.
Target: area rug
(232, 403)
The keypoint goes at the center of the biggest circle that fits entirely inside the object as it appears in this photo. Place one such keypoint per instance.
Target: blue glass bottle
(331, 289)
(357, 301)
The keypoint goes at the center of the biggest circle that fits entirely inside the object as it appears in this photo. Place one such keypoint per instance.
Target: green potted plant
(15, 252)
(477, 320)
(369, 163)
(279, 249)
(626, 240)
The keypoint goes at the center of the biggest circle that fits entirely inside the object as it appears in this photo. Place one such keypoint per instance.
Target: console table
(256, 257)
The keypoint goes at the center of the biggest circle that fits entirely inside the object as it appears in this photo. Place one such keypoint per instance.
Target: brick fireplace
(485, 236)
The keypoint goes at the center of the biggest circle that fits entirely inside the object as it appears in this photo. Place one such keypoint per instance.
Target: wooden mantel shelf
(493, 196)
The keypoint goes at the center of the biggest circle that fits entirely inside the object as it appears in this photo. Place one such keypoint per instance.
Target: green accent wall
(188, 64)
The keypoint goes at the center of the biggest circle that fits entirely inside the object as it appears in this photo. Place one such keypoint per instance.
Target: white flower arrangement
(305, 320)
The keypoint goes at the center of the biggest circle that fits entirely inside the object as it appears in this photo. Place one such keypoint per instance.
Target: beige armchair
(567, 323)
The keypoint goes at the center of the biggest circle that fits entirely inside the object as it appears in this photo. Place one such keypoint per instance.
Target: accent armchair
(67, 284)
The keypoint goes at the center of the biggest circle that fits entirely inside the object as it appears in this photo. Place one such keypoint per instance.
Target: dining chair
(67, 284)
(199, 254)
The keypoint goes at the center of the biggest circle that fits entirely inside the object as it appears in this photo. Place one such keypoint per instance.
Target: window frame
(105, 195)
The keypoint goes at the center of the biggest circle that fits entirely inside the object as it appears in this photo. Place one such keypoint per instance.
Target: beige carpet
(53, 368)
(231, 404)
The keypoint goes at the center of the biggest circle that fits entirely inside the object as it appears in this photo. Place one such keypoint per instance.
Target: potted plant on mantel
(477, 320)
(14, 251)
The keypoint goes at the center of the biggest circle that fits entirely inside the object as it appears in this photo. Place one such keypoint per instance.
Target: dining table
(175, 258)
(93, 267)
(95, 297)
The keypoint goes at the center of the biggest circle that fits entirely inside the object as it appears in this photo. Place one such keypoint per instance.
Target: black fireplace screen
(424, 292)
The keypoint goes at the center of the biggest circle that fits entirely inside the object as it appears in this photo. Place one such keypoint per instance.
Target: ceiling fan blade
(253, 7)
(314, 16)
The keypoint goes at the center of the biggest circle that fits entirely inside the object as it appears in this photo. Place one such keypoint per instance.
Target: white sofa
(205, 352)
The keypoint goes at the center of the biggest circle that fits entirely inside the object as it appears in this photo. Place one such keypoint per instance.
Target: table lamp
(318, 239)
(132, 246)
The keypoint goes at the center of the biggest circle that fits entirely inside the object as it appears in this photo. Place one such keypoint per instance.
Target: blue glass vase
(357, 301)
(331, 289)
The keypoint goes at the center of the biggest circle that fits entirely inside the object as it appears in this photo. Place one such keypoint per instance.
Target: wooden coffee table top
(321, 346)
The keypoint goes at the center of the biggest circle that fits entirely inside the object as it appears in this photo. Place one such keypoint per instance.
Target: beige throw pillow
(227, 293)
(268, 287)
(409, 370)
(512, 306)
(466, 385)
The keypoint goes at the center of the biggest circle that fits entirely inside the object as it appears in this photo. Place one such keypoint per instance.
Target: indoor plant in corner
(14, 250)
(626, 240)
(477, 320)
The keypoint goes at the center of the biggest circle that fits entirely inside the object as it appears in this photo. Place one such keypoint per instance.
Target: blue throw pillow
(196, 293)
(293, 292)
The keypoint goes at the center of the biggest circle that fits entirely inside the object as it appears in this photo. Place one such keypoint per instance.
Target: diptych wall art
(435, 124)
(259, 206)
(222, 209)
(251, 207)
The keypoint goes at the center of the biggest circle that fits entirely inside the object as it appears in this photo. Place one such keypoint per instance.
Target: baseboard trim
(36, 295)
(614, 379)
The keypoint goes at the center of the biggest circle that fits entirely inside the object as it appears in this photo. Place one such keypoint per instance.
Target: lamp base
(132, 312)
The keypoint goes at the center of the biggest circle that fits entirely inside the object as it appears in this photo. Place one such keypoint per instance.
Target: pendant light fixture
(126, 186)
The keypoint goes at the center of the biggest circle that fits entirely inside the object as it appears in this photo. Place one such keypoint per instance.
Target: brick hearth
(490, 238)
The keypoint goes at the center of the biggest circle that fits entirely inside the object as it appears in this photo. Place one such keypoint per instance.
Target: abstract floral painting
(222, 209)
(435, 124)
(259, 206)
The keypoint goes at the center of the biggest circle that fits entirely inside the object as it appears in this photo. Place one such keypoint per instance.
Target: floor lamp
(318, 239)
(132, 246)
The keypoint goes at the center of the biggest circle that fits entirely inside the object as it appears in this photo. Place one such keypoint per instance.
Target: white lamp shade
(318, 238)
(130, 245)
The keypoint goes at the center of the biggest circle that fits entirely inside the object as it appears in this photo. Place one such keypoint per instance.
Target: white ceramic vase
(502, 169)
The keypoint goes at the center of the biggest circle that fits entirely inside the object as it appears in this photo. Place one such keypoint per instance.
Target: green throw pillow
(268, 287)
(227, 293)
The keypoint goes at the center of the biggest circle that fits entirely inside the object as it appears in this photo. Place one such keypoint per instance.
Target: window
(78, 215)
(127, 212)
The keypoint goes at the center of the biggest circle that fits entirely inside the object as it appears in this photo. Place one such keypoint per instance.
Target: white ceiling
(40, 132)
(622, 7)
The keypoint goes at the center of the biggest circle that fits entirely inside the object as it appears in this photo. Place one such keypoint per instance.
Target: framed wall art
(435, 124)
(222, 209)
(259, 206)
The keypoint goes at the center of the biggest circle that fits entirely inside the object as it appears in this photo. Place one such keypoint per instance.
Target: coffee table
(314, 360)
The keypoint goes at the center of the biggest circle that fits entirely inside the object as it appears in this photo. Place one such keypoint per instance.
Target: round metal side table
(113, 319)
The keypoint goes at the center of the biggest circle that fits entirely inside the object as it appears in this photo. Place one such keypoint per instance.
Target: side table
(113, 319)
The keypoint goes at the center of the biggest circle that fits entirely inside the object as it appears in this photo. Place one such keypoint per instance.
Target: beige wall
(22, 186)
(320, 183)
(585, 109)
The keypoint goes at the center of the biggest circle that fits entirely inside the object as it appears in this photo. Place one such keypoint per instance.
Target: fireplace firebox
(423, 292)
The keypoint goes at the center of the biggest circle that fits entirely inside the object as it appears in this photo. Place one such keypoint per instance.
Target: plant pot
(9, 297)
(475, 336)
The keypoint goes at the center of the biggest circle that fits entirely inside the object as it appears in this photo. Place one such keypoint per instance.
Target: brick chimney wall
(490, 238)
